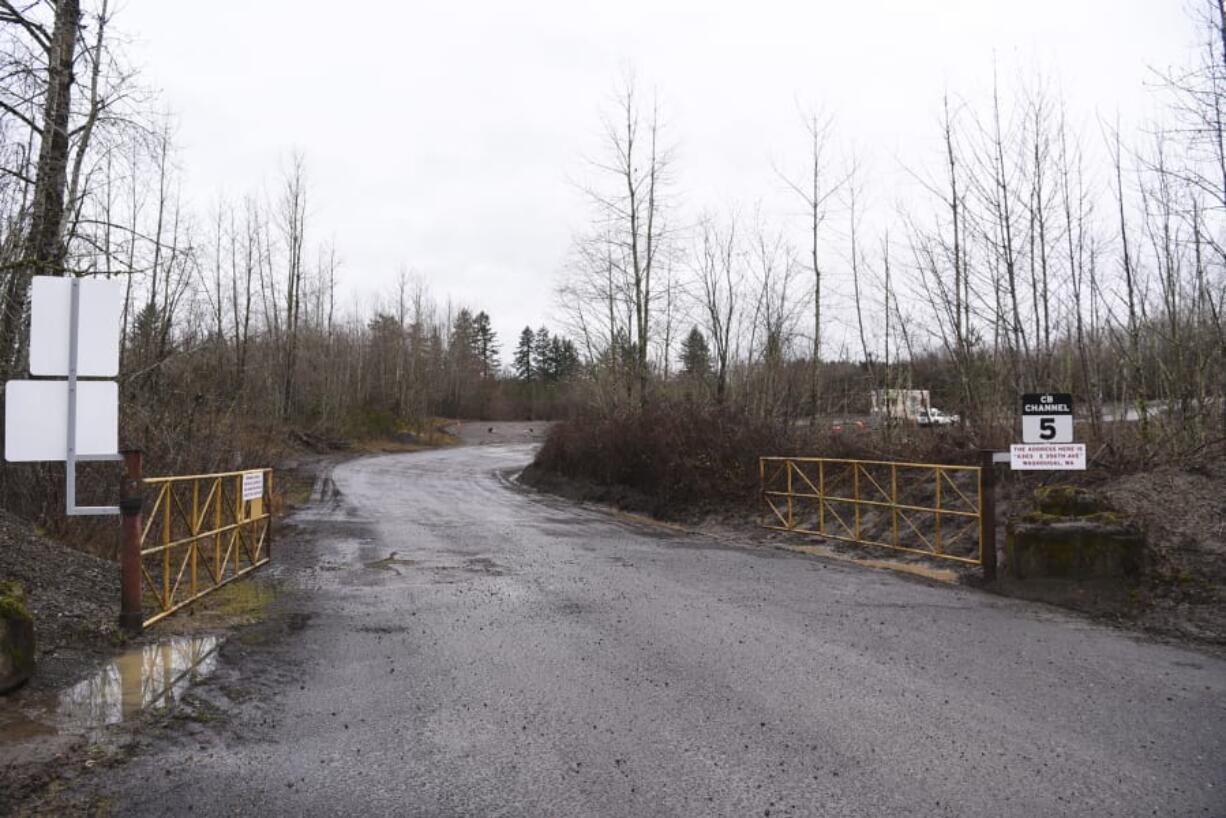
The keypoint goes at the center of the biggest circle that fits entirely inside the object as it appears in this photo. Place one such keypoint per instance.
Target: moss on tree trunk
(16, 637)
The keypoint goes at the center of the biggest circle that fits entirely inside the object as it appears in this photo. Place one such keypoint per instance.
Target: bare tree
(717, 268)
(44, 251)
(857, 263)
(773, 268)
(1077, 210)
(631, 214)
(293, 227)
(816, 192)
(1135, 386)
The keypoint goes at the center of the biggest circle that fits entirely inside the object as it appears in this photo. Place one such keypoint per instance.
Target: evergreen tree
(541, 356)
(461, 341)
(525, 367)
(695, 355)
(485, 345)
(554, 363)
(436, 365)
(564, 358)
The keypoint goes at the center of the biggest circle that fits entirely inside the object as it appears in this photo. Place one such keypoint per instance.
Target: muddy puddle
(143, 677)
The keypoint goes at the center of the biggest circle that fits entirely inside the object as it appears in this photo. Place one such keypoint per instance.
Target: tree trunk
(45, 251)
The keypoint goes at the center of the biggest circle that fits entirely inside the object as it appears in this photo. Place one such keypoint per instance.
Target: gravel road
(463, 647)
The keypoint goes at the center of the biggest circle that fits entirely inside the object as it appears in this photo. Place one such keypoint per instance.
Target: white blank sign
(36, 419)
(100, 310)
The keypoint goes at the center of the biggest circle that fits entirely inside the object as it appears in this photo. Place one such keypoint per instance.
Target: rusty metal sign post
(987, 516)
(131, 503)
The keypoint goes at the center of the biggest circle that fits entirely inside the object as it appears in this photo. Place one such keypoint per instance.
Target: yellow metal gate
(201, 534)
(922, 508)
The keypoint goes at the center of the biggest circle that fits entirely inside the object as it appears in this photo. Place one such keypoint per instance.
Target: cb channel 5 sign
(1047, 417)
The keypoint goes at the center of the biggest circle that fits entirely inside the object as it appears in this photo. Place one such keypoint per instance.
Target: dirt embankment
(486, 433)
(1183, 512)
(74, 597)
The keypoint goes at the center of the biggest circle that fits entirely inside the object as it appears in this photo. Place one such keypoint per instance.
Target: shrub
(678, 452)
(686, 456)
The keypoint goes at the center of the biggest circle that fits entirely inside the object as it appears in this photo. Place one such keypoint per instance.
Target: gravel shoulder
(72, 595)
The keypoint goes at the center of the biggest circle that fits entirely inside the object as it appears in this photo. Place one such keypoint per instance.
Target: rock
(1067, 501)
(16, 637)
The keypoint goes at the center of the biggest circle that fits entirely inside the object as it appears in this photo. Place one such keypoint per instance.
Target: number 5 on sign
(1047, 428)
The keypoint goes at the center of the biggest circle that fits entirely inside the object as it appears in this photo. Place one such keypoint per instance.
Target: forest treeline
(1045, 252)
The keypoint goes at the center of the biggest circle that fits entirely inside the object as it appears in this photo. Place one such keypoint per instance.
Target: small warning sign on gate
(253, 485)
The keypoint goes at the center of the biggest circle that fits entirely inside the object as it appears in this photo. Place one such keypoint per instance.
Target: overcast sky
(446, 137)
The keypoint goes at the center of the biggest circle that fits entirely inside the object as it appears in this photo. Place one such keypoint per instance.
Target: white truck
(935, 417)
(908, 404)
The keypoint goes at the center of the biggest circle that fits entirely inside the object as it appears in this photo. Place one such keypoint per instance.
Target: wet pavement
(459, 646)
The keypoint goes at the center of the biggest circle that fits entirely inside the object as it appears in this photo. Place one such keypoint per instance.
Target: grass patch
(241, 602)
(294, 488)
(391, 436)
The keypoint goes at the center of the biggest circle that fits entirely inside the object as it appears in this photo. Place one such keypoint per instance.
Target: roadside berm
(70, 599)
